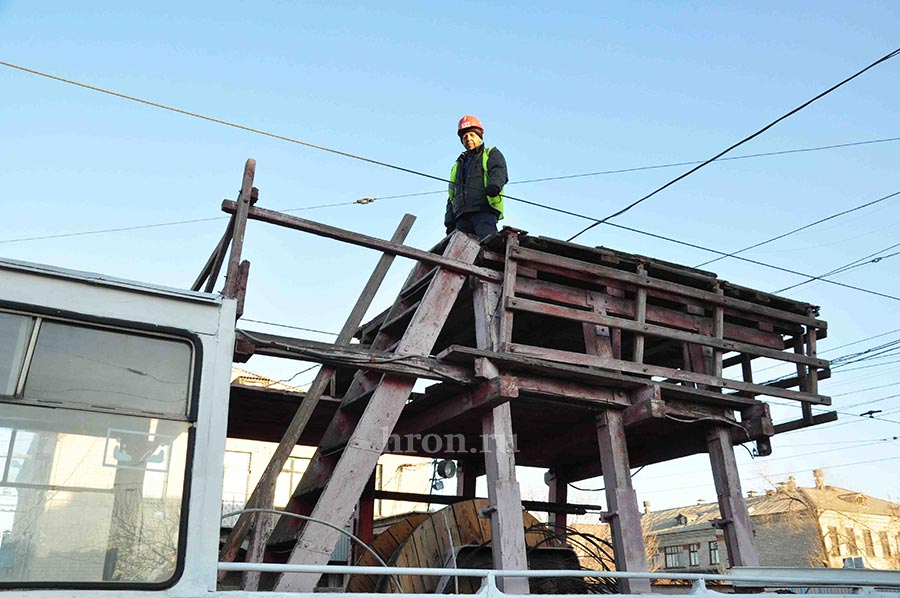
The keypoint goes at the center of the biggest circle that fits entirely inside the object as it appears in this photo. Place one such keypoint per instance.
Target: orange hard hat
(469, 122)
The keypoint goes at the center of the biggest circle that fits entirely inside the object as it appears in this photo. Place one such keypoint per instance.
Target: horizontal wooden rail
(578, 315)
(670, 373)
(532, 256)
(333, 232)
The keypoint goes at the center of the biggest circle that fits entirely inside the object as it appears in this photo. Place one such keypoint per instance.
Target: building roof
(788, 497)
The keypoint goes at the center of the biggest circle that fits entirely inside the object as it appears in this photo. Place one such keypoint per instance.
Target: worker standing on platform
(475, 203)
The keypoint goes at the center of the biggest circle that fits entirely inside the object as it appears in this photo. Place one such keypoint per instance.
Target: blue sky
(575, 88)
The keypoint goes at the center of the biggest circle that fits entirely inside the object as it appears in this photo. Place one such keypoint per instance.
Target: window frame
(672, 551)
(190, 417)
(713, 547)
(694, 555)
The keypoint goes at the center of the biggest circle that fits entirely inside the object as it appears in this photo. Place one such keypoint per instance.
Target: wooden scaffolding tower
(583, 361)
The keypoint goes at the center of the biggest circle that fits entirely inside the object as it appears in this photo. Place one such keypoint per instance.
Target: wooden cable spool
(431, 540)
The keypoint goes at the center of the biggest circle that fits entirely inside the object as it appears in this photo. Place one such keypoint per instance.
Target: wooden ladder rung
(402, 314)
(419, 284)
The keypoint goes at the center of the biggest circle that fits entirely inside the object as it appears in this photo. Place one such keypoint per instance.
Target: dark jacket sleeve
(497, 173)
(448, 215)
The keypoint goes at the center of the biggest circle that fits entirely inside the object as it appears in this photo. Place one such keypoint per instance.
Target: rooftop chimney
(646, 507)
(819, 477)
(751, 493)
(791, 483)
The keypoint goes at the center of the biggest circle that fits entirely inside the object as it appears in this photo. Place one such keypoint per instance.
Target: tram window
(77, 365)
(15, 331)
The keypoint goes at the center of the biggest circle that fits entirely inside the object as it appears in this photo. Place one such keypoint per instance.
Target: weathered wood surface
(347, 476)
(339, 234)
(735, 521)
(263, 493)
(242, 208)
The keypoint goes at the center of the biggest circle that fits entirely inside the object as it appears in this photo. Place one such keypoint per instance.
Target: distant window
(673, 557)
(852, 548)
(289, 478)
(713, 553)
(694, 555)
(835, 541)
(870, 545)
(885, 544)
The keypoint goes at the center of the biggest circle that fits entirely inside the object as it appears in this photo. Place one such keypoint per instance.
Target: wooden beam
(240, 227)
(390, 248)
(447, 499)
(623, 516)
(558, 492)
(358, 356)
(210, 270)
(505, 498)
(457, 353)
(798, 424)
(263, 493)
(568, 313)
(348, 471)
(484, 397)
(652, 370)
(538, 258)
(735, 521)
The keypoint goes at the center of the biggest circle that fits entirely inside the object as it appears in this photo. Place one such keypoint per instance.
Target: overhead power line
(411, 171)
(857, 263)
(633, 204)
(658, 166)
(800, 228)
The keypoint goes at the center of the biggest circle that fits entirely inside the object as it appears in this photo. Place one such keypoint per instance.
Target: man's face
(470, 140)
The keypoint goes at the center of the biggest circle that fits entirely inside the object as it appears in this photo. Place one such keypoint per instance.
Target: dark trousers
(482, 224)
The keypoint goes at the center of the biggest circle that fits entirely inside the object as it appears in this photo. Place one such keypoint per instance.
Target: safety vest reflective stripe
(496, 201)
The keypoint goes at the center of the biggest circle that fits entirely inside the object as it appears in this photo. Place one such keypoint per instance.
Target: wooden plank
(558, 492)
(667, 333)
(640, 316)
(822, 418)
(719, 333)
(623, 516)
(484, 397)
(242, 207)
(508, 291)
(390, 248)
(570, 390)
(265, 486)
(363, 357)
(507, 535)
(735, 521)
(349, 474)
(587, 374)
(670, 373)
(583, 268)
(210, 271)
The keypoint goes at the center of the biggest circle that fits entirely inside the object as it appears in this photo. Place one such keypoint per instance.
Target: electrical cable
(857, 263)
(368, 548)
(751, 261)
(797, 230)
(633, 204)
(658, 166)
(243, 319)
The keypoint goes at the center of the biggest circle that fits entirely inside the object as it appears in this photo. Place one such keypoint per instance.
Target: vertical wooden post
(803, 379)
(365, 518)
(466, 475)
(232, 275)
(509, 290)
(719, 333)
(812, 378)
(504, 498)
(735, 520)
(558, 493)
(624, 517)
(640, 315)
